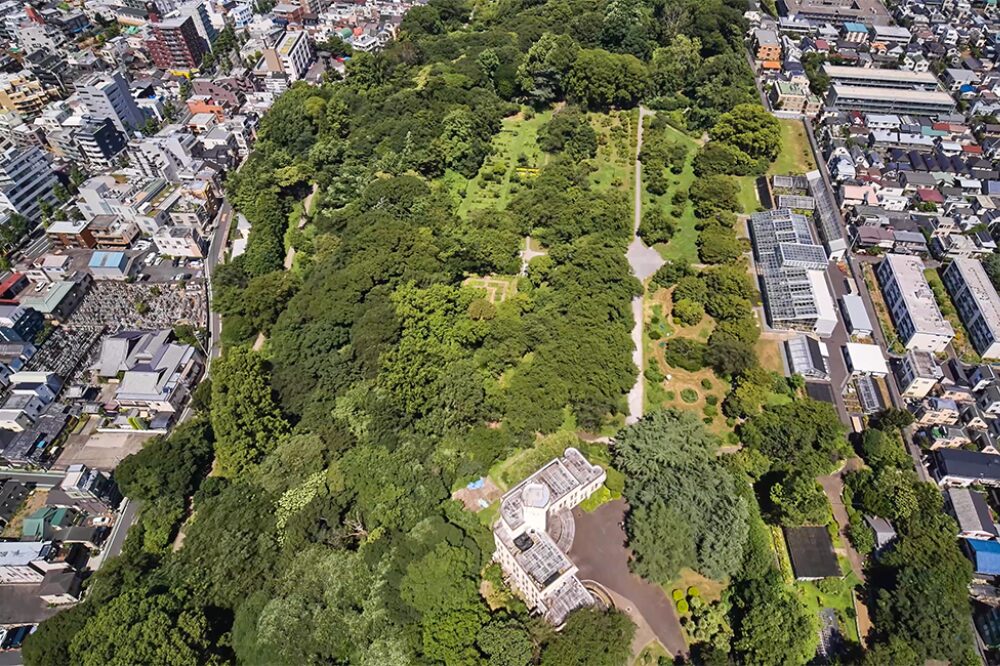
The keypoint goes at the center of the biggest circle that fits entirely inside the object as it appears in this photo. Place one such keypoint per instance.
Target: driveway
(599, 551)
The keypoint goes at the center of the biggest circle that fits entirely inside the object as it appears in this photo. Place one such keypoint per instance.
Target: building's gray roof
(971, 511)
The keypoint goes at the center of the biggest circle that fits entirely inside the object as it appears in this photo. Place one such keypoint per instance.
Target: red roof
(933, 196)
(10, 281)
(972, 148)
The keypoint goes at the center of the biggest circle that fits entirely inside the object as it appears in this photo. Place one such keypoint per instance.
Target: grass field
(748, 194)
(616, 137)
(835, 593)
(683, 246)
(796, 156)
(514, 148)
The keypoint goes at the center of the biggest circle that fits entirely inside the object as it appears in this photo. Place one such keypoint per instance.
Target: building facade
(977, 303)
(915, 313)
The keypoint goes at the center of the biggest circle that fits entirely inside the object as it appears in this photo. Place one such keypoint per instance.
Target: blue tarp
(477, 484)
(985, 556)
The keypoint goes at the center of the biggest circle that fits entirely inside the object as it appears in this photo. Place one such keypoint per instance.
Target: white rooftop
(917, 295)
(866, 359)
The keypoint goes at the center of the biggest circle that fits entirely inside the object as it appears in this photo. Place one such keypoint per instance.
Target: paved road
(644, 261)
(129, 514)
(216, 251)
(600, 552)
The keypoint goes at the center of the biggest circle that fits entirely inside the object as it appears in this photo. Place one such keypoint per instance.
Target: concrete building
(836, 12)
(535, 531)
(178, 42)
(24, 562)
(889, 100)
(977, 303)
(787, 96)
(767, 44)
(791, 270)
(870, 77)
(917, 374)
(972, 513)
(26, 180)
(24, 94)
(919, 323)
(286, 63)
(107, 95)
(856, 316)
(180, 241)
(109, 265)
(865, 360)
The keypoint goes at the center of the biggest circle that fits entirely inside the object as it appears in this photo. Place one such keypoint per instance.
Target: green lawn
(748, 194)
(514, 148)
(684, 245)
(615, 162)
(835, 593)
(796, 155)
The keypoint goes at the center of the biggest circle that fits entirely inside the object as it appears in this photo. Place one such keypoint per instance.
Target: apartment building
(178, 42)
(918, 320)
(24, 94)
(767, 44)
(26, 180)
(977, 303)
(917, 374)
(107, 95)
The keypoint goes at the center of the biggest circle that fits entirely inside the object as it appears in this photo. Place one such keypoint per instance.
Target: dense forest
(303, 514)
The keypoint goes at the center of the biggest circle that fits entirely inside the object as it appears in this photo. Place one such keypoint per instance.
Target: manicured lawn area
(651, 654)
(796, 155)
(709, 590)
(748, 194)
(769, 354)
(515, 150)
(498, 288)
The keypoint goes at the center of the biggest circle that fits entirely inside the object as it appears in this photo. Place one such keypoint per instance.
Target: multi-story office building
(286, 63)
(915, 313)
(977, 303)
(26, 180)
(180, 241)
(23, 93)
(178, 42)
(792, 273)
(107, 95)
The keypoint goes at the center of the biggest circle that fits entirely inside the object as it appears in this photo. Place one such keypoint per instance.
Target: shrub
(707, 420)
(688, 312)
(682, 607)
(654, 374)
(678, 595)
(694, 591)
(684, 353)
(712, 399)
(689, 395)
(706, 383)
(670, 395)
(710, 410)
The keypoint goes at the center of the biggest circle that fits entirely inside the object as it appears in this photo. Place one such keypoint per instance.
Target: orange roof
(770, 64)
